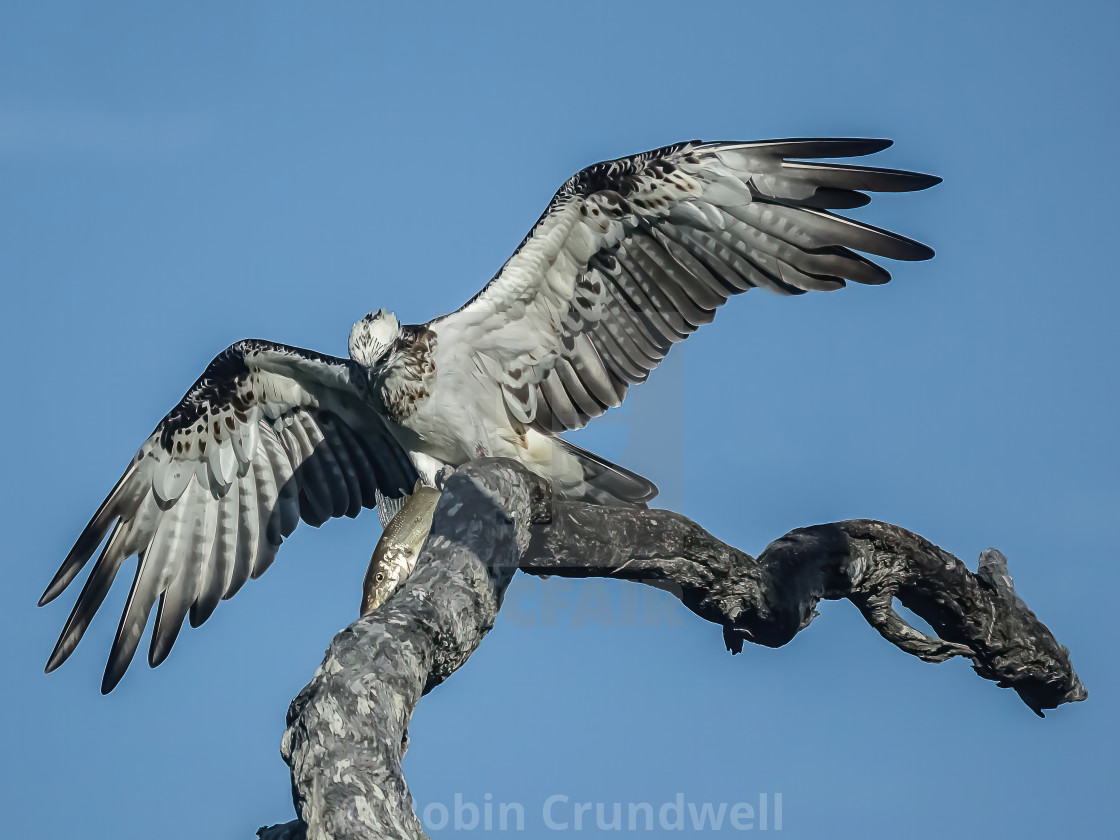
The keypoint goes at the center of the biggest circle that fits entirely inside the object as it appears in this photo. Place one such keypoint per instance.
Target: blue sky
(177, 179)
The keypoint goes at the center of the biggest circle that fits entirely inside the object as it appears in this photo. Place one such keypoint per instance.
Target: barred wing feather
(633, 255)
(269, 435)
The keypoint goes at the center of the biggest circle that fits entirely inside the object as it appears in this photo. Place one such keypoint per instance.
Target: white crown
(373, 336)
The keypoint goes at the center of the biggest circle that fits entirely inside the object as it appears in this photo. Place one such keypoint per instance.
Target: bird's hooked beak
(372, 339)
(381, 364)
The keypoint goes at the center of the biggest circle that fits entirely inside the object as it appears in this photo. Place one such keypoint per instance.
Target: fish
(397, 551)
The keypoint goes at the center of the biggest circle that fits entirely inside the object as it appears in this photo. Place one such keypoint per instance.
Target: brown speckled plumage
(406, 380)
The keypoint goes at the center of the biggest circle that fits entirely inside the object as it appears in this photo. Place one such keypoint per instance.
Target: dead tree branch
(770, 599)
(347, 730)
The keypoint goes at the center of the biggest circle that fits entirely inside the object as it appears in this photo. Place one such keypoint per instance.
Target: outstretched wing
(632, 255)
(267, 436)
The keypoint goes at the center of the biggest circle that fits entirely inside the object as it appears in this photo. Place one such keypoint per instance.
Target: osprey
(629, 258)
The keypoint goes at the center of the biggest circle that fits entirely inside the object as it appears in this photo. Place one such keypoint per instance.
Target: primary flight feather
(630, 257)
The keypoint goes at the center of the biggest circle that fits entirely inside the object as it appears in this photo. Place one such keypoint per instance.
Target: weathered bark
(347, 728)
(769, 599)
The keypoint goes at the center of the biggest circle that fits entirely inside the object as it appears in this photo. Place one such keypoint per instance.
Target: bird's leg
(396, 552)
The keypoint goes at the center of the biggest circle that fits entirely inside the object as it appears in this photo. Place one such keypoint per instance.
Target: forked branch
(347, 730)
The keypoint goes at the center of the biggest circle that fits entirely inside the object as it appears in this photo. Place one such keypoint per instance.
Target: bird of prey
(629, 257)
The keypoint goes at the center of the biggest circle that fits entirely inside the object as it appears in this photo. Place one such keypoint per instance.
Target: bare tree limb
(347, 730)
(770, 599)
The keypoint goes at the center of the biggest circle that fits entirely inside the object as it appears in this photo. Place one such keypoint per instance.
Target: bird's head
(373, 337)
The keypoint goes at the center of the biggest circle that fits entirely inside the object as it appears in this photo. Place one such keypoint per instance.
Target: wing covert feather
(633, 255)
(268, 435)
